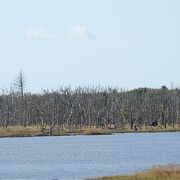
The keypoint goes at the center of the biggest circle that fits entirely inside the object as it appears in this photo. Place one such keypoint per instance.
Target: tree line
(89, 107)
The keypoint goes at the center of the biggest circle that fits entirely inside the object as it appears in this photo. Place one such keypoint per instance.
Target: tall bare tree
(20, 83)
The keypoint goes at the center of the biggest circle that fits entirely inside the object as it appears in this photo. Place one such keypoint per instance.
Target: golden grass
(160, 173)
(126, 129)
(21, 131)
(95, 131)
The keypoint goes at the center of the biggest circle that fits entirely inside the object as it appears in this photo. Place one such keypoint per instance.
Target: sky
(124, 43)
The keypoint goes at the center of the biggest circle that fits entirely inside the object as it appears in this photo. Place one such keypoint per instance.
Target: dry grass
(157, 173)
(126, 129)
(162, 171)
(20, 131)
(95, 131)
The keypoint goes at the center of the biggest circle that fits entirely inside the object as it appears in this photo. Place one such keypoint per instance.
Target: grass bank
(30, 131)
(20, 131)
(157, 173)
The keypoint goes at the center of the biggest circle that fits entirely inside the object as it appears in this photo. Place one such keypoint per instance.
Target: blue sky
(123, 43)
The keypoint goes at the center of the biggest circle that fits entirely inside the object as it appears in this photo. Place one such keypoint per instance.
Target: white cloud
(80, 33)
(38, 33)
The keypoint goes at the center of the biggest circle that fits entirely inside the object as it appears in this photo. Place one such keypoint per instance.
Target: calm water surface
(77, 157)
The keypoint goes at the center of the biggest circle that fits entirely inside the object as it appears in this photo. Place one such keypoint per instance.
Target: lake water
(77, 157)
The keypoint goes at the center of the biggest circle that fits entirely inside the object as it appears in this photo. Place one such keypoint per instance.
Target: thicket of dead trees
(89, 107)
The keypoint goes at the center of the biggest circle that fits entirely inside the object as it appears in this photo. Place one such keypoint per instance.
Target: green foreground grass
(20, 131)
(157, 173)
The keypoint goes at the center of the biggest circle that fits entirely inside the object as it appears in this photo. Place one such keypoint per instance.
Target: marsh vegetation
(86, 110)
(160, 173)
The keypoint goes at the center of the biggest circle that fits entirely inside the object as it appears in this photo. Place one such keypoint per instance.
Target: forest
(86, 107)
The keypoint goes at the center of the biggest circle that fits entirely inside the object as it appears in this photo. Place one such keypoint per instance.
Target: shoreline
(169, 172)
(37, 132)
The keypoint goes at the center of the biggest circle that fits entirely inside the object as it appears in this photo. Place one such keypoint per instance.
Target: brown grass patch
(170, 172)
(95, 131)
(20, 131)
(162, 171)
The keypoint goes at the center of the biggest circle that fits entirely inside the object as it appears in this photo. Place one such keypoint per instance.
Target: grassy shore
(30, 131)
(157, 173)
(20, 131)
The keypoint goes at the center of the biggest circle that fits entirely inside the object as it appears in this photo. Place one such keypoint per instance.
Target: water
(77, 157)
